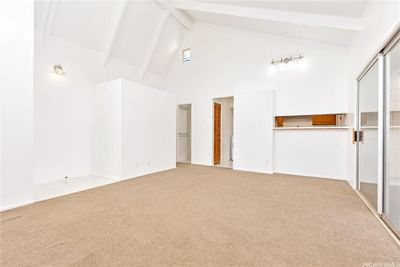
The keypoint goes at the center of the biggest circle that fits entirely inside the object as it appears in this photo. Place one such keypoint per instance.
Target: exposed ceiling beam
(177, 14)
(153, 44)
(48, 19)
(305, 19)
(114, 31)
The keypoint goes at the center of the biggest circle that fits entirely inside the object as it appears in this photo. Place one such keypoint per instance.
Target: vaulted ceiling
(332, 22)
(143, 34)
(147, 34)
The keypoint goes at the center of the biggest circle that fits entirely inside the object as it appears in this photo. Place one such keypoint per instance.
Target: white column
(16, 82)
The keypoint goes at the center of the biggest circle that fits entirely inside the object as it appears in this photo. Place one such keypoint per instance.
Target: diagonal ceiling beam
(177, 14)
(305, 19)
(153, 44)
(48, 19)
(114, 31)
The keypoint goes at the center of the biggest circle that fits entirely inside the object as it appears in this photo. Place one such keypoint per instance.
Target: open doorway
(223, 132)
(183, 133)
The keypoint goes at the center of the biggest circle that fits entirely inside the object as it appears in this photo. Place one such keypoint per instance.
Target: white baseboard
(105, 176)
(312, 175)
(250, 170)
(351, 185)
(13, 206)
(148, 172)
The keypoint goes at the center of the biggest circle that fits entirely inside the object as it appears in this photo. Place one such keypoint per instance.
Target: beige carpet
(199, 216)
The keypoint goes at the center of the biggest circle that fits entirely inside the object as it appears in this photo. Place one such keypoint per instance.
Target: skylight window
(187, 55)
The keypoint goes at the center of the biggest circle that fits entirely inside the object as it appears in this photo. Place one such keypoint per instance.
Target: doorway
(183, 134)
(223, 132)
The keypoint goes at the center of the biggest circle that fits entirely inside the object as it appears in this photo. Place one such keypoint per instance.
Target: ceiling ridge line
(114, 32)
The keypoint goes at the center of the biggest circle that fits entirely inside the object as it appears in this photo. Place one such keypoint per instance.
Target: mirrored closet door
(391, 202)
(378, 134)
(368, 104)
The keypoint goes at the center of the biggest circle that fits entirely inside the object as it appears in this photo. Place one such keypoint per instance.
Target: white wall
(226, 61)
(148, 129)
(107, 130)
(135, 126)
(311, 152)
(379, 20)
(16, 82)
(62, 111)
(253, 124)
(63, 104)
(77, 35)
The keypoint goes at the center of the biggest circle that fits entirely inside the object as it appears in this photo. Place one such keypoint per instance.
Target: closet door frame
(383, 123)
(379, 60)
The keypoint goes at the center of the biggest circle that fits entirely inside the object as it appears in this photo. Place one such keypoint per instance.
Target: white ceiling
(167, 47)
(135, 32)
(334, 22)
(331, 36)
(77, 22)
(92, 24)
(342, 8)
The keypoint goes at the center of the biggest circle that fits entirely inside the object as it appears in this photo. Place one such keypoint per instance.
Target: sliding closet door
(368, 94)
(391, 209)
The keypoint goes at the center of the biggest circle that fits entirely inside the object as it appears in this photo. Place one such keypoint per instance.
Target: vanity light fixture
(287, 60)
(58, 69)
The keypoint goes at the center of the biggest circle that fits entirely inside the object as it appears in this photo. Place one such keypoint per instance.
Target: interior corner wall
(63, 105)
(107, 130)
(148, 129)
(16, 82)
(133, 130)
(379, 20)
(62, 110)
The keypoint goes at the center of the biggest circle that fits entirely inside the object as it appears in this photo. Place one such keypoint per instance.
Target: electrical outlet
(266, 163)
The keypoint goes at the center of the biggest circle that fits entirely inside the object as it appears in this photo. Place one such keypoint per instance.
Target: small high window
(186, 55)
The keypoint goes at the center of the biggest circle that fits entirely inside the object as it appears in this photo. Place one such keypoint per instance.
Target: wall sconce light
(58, 69)
(287, 60)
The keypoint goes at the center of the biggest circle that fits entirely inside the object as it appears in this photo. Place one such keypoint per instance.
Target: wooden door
(217, 133)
